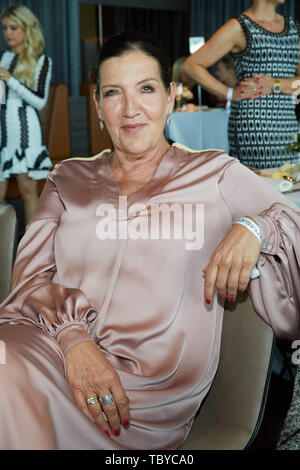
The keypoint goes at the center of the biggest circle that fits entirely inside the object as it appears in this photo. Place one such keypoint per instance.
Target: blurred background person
(190, 86)
(226, 73)
(186, 88)
(26, 70)
(265, 49)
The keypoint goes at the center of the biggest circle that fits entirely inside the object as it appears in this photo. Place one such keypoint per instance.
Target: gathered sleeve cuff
(63, 312)
(38, 96)
(276, 293)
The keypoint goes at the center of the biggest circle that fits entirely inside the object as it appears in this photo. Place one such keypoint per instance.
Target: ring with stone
(107, 400)
(92, 400)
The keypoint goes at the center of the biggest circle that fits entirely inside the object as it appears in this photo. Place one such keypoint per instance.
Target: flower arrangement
(187, 95)
(183, 96)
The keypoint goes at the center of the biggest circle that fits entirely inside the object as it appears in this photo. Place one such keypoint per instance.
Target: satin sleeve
(63, 312)
(38, 96)
(276, 293)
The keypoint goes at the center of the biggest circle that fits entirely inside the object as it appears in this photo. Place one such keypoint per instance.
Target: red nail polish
(126, 424)
(107, 433)
(117, 432)
(261, 87)
(242, 91)
(207, 301)
(230, 299)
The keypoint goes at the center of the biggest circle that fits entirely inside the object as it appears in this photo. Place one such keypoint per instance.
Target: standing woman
(265, 48)
(27, 73)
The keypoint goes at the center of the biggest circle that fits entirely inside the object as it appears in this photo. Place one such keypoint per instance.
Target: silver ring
(255, 89)
(107, 400)
(92, 400)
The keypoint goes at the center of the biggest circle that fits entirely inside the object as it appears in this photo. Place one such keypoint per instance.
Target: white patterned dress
(260, 129)
(22, 145)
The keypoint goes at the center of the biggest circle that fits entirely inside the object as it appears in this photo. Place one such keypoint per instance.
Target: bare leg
(3, 190)
(29, 192)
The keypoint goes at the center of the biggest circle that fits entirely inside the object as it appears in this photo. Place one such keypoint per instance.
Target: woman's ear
(97, 103)
(171, 98)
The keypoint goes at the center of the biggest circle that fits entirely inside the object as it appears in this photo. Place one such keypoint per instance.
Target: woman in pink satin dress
(112, 328)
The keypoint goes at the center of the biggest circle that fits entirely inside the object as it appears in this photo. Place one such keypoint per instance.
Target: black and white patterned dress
(22, 146)
(260, 129)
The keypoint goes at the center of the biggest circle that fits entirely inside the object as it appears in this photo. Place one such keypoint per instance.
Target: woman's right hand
(90, 374)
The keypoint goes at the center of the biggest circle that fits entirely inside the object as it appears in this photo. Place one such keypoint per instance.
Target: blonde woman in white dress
(26, 72)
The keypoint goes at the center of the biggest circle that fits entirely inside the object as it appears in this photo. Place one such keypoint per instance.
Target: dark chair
(232, 412)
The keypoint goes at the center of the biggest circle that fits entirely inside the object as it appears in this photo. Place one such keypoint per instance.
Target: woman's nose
(131, 108)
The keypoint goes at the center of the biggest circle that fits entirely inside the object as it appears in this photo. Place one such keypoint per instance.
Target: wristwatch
(276, 86)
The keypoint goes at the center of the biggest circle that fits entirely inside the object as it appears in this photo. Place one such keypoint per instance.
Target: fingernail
(207, 301)
(126, 424)
(107, 433)
(260, 93)
(261, 87)
(242, 91)
(230, 299)
(117, 432)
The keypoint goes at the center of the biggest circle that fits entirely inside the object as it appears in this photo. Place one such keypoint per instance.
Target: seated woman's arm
(275, 293)
(64, 313)
(60, 311)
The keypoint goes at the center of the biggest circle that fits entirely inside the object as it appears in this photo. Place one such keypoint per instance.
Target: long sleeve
(38, 96)
(63, 312)
(276, 293)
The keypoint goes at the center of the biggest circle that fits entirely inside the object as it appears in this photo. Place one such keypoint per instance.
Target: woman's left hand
(4, 74)
(231, 264)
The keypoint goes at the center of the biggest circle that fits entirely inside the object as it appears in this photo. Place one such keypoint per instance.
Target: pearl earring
(101, 125)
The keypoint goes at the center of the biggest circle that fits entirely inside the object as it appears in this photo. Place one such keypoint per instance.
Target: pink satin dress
(141, 299)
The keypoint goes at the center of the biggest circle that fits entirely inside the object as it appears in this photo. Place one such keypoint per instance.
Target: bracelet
(250, 225)
(229, 94)
(254, 228)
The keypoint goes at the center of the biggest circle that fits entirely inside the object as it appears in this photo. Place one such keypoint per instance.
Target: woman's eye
(148, 89)
(109, 93)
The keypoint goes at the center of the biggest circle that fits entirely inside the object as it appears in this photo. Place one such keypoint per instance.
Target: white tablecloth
(208, 130)
(293, 196)
(200, 130)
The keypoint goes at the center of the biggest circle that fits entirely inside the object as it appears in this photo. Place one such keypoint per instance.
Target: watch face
(277, 88)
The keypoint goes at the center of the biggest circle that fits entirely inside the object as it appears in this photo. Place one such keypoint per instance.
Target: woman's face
(134, 102)
(14, 34)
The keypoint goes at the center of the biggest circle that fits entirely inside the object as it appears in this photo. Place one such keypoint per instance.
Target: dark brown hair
(134, 41)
